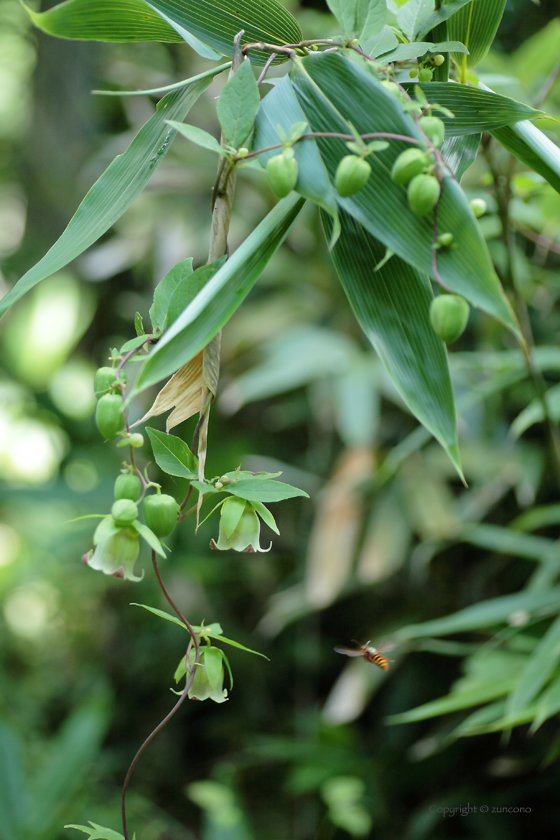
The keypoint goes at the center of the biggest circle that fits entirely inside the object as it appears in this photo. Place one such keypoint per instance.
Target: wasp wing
(348, 651)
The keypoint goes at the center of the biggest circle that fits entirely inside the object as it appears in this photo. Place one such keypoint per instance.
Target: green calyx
(449, 315)
(127, 486)
(282, 173)
(160, 514)
(408, 164)
(109, 415)
(423, 194)
(352, 174)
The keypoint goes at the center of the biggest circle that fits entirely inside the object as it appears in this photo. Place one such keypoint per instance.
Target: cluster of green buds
(109, 414)
(413, 168)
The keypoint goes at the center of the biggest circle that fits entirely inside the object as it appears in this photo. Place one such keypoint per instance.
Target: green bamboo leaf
(172, 454)
(485, 614)
(333, 92)
(104, 20)
(281, 108)
(209, 26)
(506, 541)
(534, 412)
(460, 152)
(392, 306)
(238, 105)
(221, 296)
(456, 701)
(217, 22)
(475, 26)
(533, 148)
(116, 188)
(548, 705)
(165, 289)
(542, 663)
(475, 110)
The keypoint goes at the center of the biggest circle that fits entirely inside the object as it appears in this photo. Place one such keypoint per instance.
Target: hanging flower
(116, 550)
(208, 682)
(240, 527)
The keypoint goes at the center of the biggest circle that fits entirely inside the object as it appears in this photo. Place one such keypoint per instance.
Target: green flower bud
(434, 129)
(160, 514)
(445, 240)
(104, 379)
(243, 152)
(109, 416)
(136, 440)
(423, 194)
(245, 535)
(408, 164)
(282, 173)
(449, 315)
(352, 174)
(393, 89)
(478, 206)
(425, 74)
(439, 59)
(128, 486)
(124, 512)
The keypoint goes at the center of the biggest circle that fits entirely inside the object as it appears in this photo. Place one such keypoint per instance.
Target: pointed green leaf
(164, 291)
(456, 701)
(449, 9)
(172, 454)
(189, 287)
(207, 25)
(460, 152)
(392, 306)
(359, 18)
(98, 832)
(266, 516)
(221, 296)
(475, 110)
(235, 644)
(281, 108)
(116, 188)
(149, 536)
(197, 136)
(238, 105)
(104, 20)
(214, 629)
(263, 490)
(333, 91)
(542, 662)
(217, 22)
(485, 614)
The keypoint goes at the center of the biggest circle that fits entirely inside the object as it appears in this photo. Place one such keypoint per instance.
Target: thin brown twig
(265, 69)
(191, 671)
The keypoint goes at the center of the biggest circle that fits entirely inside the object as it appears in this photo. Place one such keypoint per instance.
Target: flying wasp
(371, 654)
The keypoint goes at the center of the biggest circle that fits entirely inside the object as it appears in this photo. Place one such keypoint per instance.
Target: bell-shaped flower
(116, 550)
(208, 682)
(240, 527)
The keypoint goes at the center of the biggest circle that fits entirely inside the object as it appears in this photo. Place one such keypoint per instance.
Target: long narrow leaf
(460, 152)
(475, 26)
(392, 306)
(116, 188)
(475, 110)
(221, 296)
(533, 148)
(333, 92)
(485, 614)
(537, 671)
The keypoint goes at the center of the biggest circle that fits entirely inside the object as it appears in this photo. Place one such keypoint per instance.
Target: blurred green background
(389, 537)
